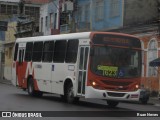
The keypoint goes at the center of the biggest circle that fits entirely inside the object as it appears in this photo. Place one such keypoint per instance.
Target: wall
(139, 11)
(43, 14)
(9, 45)
(52, 21)
(149, 82)
(110, 11)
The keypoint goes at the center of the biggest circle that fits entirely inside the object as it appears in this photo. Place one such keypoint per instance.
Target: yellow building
(9, 45)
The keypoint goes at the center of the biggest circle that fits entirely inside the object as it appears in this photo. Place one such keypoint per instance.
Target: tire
(112, 103)
(144, 101)
(31, 90)
(69, 94)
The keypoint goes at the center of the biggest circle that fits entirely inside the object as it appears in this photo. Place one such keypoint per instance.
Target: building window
(55, 20)
(15, 9)
(9, 9)
(152, 54)
(80, 14)
(32, 11)
(87, 15)
(51, 20)
(115, 8)
(3, 9)
(27, 10)
(46, 21)
(41, 24)
(99, 10)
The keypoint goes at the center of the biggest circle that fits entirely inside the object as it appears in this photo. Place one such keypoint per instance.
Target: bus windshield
(117, 62)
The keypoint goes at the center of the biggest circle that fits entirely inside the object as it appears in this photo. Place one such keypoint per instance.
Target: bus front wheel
(112, 103)
(69, 94)
(31, 90)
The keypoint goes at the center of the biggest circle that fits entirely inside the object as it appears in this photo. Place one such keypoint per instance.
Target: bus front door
(82, 69)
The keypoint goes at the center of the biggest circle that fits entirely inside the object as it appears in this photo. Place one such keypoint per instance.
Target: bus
(99, 65)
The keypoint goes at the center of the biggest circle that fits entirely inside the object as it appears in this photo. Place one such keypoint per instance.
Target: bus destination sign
(116, 40)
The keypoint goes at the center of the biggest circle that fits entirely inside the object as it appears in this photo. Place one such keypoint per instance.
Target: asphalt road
(15, 99)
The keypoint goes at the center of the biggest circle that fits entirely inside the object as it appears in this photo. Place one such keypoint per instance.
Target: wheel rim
(30, 88)
(70, 95)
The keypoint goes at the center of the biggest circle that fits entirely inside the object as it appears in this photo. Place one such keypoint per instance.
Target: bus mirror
(91, 52)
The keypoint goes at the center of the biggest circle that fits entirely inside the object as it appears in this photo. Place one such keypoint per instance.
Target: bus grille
(115, 94)
(113, 83)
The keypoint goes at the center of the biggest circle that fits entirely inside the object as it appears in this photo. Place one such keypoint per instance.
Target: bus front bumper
(112, 95)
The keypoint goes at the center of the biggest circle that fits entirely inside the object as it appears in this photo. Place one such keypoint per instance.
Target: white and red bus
(102, 65)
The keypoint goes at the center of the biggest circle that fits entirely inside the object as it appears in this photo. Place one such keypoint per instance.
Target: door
(82, 69)
(14, 66)
(20, 71)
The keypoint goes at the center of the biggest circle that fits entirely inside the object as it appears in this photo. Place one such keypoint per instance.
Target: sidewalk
(155, 101)
(152, 100)
(4, 81)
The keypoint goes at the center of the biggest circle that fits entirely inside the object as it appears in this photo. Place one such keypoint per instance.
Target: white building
(49, 18)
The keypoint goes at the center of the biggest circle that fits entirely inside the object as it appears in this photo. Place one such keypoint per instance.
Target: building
(96, 15)
(139, 18)
(9, 11)
(9, 44)
(49, 18)
(56, 17)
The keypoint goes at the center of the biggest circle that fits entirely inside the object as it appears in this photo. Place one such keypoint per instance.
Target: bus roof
(80, 35)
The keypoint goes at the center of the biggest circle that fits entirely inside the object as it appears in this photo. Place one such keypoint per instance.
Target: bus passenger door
(20, 72)
(82, 69)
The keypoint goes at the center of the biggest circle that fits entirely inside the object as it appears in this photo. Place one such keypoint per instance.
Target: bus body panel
(42, 77)
(103, 94)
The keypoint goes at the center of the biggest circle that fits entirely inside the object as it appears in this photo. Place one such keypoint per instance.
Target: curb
(5, 82)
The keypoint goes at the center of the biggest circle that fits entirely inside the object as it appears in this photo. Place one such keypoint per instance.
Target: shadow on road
(81, 103)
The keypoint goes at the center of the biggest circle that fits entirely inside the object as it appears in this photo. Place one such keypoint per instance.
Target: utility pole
(158, 7)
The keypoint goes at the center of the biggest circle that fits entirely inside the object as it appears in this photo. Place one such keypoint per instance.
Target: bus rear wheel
(112, 103)
(31, 90)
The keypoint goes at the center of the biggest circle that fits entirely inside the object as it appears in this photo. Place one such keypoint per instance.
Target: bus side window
(16, 52)
(48, 51)
(37, 51)
(72, 49)
(28, 52)
(60, 51)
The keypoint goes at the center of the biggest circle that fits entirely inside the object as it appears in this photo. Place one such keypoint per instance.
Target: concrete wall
(43, 14)
(139, 11)
(9, 45)
(52, 23)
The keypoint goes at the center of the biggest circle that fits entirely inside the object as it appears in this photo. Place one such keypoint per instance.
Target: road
(15, 99)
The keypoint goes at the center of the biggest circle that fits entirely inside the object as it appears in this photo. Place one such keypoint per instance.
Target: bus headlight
(137, 86)
(94, 83)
